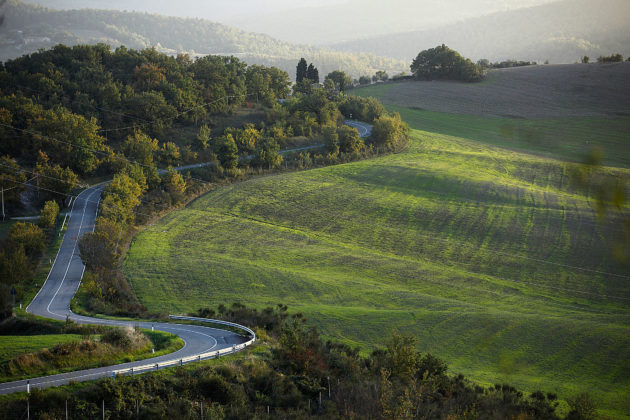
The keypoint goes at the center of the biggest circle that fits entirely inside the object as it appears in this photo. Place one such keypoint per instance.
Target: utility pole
(66, 409)
(103, 409)
(3, 204)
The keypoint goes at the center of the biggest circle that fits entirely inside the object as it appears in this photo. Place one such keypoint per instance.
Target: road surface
(364, 129)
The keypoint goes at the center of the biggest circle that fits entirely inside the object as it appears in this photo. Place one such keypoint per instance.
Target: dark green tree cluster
(306, 71)
(362, 109)
(486, 64)
(442, 62)
(338, 80)
(613, 58)
(300, 376)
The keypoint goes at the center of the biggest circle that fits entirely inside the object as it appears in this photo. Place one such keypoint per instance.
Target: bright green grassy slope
(12, 345)
(487, 256)
(569, 138)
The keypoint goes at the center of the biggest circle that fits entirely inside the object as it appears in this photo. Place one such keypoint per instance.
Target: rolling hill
(491, 257)
(28, 27)
(560, 32)
(561, 111)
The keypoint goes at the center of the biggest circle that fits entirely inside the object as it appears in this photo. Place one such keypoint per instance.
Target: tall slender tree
(312, 73)
(301, 71)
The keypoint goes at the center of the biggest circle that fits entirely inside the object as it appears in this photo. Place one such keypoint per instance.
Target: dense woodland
(44, 28)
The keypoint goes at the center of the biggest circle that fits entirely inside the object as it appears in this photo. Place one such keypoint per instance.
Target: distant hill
(29, 27)
(313, 22)
(560, 32)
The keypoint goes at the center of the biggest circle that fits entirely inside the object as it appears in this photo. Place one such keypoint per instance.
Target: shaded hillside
(560, 32)
(28, 28)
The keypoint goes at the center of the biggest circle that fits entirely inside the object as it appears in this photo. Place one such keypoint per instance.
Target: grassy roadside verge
(37, 347)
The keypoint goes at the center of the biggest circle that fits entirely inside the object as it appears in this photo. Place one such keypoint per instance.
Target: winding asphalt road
(53, 301)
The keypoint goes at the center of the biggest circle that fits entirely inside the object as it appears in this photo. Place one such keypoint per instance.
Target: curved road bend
(364, 129)
(53, 299)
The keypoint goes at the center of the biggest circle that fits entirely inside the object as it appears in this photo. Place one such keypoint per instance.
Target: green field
(556, 111)
(488, 256)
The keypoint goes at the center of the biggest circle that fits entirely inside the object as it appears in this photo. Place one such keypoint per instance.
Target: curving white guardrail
(197, 358)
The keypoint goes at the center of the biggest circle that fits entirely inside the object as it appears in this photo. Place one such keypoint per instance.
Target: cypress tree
(301, 71)
(312, 73)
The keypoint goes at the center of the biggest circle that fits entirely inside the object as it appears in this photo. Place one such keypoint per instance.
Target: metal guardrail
(197, 358)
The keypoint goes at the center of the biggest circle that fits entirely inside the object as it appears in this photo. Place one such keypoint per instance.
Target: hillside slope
(488, 257)
(29, 27)
(560, 32)
(562, 111)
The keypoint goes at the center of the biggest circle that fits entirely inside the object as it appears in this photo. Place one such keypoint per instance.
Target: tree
(141, 149)
(364, 80)
(301, 72)
(203, 137)
(49, 214)
(267, 153)
(6, 301)
(402, 356)
(381, 75)
(28, 236)
(331, 139)
(12, 180)
(349, 139)
(169, 153)
(121, 197)
(340, 79)
(174, 184)
(56, 182)
(442, 62)
(614, 58)
(312, 74)
(226, 151)
(69, 139)
(97, 250)
(248, 138)
(585, 59)
(148, 76)
(14, 265)
(582, 407)
(390, 133)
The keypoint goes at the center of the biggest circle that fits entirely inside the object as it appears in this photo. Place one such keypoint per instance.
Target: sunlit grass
(490, 257)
